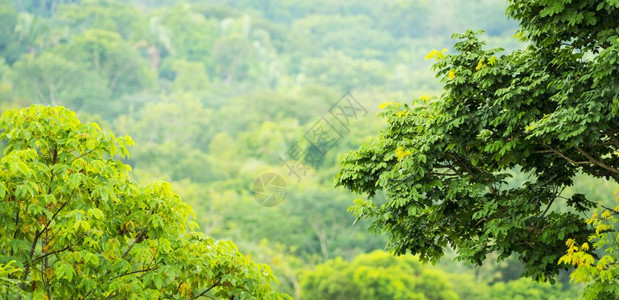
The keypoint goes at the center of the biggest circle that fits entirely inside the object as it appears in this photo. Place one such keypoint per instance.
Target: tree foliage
(75, 225)
(549, 110)
(376, 275)
(216, 92)
(599, 268)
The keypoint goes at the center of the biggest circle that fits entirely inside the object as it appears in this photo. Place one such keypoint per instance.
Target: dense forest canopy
(216, 93)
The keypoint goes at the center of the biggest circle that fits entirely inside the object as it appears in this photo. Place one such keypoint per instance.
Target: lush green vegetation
(214, 93)
(549, 110)
(380, 275)
(75, 225)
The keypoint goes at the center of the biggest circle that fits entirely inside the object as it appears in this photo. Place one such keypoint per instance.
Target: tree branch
(27, 266)
(134, 272)
(52, 253)
(207, 290)
(135, 241)
(596, 162)
(573, 162)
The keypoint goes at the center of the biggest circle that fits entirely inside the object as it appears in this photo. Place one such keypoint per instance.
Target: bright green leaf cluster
(75, 226)
(599, 268)
(376, 275)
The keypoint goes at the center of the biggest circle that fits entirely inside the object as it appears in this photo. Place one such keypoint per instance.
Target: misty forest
(279, 149)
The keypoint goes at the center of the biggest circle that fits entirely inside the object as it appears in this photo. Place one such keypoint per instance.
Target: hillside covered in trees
(215, 94)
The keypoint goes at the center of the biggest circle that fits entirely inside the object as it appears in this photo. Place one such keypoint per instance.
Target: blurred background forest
(215, 92)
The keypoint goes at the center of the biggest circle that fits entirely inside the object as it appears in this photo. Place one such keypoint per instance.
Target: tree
(41, 7)
(346, 72)
(75, 225)
(7, 29)
(176, 118)
(191, 35)
(232, 56)
(120, 17)
(109, 56)
(54, 80)
(599, 269)
(524, 288)
(190, 75)
(549, 110)
(376, 275)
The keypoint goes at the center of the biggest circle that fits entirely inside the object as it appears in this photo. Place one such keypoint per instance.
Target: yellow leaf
(480, 65)
(184, 289)
(385, 104)
(584, 247)
(587, 260)
(436, 55)
(451, 74)
(400, 153)
(48, 273)
(593, 217)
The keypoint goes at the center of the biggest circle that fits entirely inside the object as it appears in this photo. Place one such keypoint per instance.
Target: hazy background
(215, 92)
